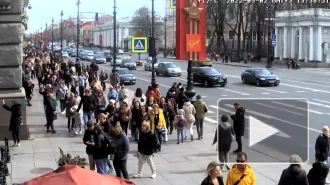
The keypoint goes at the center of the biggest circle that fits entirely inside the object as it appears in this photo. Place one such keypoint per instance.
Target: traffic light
(96, 16)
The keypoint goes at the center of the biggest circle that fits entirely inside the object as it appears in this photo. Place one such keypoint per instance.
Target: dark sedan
(100, 59)
(208, 76)
(126, 76)
(83, 56)
(259, 77)
(128, 63)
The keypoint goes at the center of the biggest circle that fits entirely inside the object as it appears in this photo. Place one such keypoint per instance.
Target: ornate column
(301, 56)
(277, 46)
(293, 42)
(12, 26)
(285, 43)
(319, 51)
(311, 44)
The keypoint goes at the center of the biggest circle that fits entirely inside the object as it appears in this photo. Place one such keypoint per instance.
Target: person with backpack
(189, 115)
(100, 153)
(179, 122)
(294, 174)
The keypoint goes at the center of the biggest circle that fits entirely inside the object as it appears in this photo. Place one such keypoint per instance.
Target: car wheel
(145, 69)
(166, 73)
(276, 84)
(206, 83)
(157, 73)
(210, 65)
(180, 74)
(243, 80)
(257, 82)
(222, 85)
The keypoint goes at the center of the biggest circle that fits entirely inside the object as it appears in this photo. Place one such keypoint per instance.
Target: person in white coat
(140, 96)
(189, 115)
(123, 93)
(78, 116)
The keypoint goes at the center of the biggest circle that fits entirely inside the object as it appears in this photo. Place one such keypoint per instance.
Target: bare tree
(142, 22)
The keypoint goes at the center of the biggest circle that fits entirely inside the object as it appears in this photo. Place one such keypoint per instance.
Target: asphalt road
(312, 84)
(292, 123)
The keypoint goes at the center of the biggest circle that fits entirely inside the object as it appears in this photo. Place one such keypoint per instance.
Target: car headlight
(125, 64)
(277, 78)
(134, 64)
(133, 77)
(262, 78)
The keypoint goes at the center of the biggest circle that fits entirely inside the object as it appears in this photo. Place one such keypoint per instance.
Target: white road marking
(223, 95)
(210, 120)
(264, 93)
(319, 104)
(287, 105)
(300, 91)
(307, 83)
(272, 90)
(322, 101)
(180, 79)
(203, 96)
(285, 77)
(234, 91)
(279, 109)
(210, 112)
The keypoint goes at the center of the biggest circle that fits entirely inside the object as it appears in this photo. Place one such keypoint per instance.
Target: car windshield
(170, 65)
(123, 72)
(119, 58)
(262, 71)
(99, 56)
(84, 54)
(106, 53)
(90, 54)
(210, 70)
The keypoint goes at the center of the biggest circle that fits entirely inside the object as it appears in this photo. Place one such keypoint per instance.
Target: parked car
(99, 59)
(117, 61)
(168, 69)
(108, 56)
(202, 63)
(65, 54)
(148, 65)
(259, 77)
(138, 62)
(126, 76)
(74, 53)
(128, 63)
(90, 56)
(208, 76)
(120, 51)
(68, 50)
(83, 56)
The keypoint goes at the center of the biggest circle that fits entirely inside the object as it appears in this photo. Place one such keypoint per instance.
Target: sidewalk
(175, 164)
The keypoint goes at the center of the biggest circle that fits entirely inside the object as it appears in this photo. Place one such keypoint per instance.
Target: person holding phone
(89, 142)
(15, 120)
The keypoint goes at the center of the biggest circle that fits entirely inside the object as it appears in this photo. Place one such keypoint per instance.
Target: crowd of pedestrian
(105, 120)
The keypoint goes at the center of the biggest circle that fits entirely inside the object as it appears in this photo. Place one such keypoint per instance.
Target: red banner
(193, 43)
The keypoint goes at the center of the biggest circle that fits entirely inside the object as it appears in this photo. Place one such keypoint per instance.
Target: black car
(209, 76)
(99, 59)
(259, 77)
(126, 76)
(107, 55)
(128, 63)
(83, 56)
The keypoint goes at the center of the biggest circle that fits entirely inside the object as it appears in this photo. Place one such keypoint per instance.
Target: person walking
(319, 172)
(100, 154)
(120, 156)
(239, 125)
(62, 92)
(78, 116)
(89, 106)
(51, 113)
(112, 94)
(89, 141)
(322, 145)
(241, 173)
(224, 137)
(70, 102)
(146, 149)
(140, 96)
(158, 125)
(15, 120)
(100, 104)
(294, 174)
(125, 115)
(213, 173)
(123, 93)
(114, 79)
(179, 123)
(189, 115)
(82, 82)
(103, 77)
(201, 109)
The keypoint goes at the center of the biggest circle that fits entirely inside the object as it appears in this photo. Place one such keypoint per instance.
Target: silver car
(117, 61)
(148, 65)
(168, 69)
(100, 59)
(90, 57)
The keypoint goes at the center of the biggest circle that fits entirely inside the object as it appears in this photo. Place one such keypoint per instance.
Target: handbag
(240, 179)
(165, 136)
(161, 129)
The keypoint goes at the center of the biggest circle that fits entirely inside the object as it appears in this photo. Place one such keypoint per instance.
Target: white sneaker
(76, 133)
(139, 175)
(327, 181)
(80, 132)
(153, 176)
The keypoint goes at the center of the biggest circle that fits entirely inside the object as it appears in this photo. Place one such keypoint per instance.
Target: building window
(231, 34)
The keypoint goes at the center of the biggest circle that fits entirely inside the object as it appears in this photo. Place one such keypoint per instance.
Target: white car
(118, 60)
(120, 51)
(90, 57)
(65, 54)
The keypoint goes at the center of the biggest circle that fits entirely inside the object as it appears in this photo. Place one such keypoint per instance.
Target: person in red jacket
(150, 92)
(157, 93)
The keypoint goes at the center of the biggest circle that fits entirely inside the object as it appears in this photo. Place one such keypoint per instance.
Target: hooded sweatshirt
(318, 174)
(293, 175)
(201, 109)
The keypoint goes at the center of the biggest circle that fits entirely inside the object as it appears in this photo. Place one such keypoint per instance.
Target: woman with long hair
(121, 152)
(124, 115)
(150, 102)
(100, 104)
(15, 120)
(136, 109)
(213, 173)
(158, 124)
(140, 96)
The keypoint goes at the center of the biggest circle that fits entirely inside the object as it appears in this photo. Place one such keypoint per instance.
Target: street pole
(152, 43)
(114, 35)
(52, 34)
(41, 32)
(38, 38)
(46, 35)
(62, 30)
(78, 32)
(165, 36)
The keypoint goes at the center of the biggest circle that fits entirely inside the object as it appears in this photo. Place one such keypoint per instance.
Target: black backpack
(111, 146)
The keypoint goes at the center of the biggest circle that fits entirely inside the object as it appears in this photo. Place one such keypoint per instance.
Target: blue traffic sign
(273, 37)
(139, 44)
(273, 42)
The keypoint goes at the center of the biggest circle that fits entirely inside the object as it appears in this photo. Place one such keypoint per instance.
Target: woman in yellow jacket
(158, 125)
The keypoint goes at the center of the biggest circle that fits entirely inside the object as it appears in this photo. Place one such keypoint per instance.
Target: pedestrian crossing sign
(139, 44)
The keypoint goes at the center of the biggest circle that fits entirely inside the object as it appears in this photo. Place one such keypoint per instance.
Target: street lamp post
(152, 43)
(61, 30)
(165, 36)
(114, 35)
(78, 32)
(46, 35)
(41, 33)
(52, 34)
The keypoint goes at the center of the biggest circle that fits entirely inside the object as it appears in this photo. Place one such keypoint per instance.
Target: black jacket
(322, 144)
(293, 175)
(318, 174)
(239, 121)
(107, 127)
(135, 115)
(100, 147)
(208, 181)
(112, 117)
(88, 137)
(147, 143)
(15, 119)
(88, 103)
(50, 109)
(94, 67)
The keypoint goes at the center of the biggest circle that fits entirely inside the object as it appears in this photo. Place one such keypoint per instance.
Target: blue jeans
(180, 134)
(87, 116)
(101, 166)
